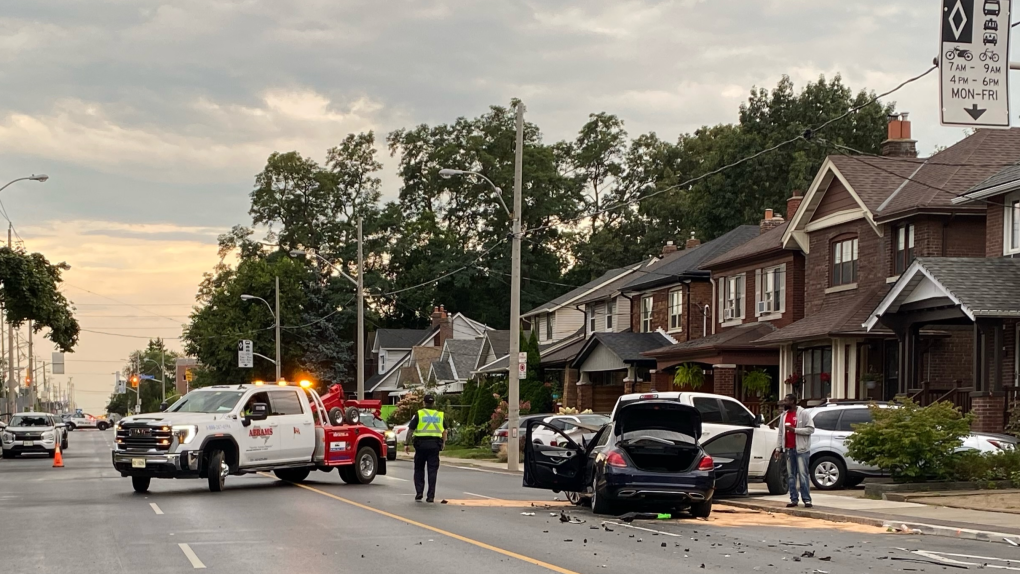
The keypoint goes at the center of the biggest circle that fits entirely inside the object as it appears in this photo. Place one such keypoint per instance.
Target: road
(87, 517)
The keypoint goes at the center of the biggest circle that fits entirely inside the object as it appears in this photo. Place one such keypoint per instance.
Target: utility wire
(445, 275)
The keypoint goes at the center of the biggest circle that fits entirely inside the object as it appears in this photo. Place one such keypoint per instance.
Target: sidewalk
(931, 520)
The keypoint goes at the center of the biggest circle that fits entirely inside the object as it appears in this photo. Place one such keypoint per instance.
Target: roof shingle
(688, 262)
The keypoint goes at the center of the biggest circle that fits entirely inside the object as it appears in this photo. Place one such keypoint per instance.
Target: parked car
(832, 469)
(576, 427)
(500, 436)
(649, 454)
(370, 420)
(32, 433)
(721, 413)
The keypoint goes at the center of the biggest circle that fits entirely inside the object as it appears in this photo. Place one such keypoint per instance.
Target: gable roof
(687, 263)
(627, 346)
(576, 293)
(400, 338)
(617, 285)
(768, 242)
(389, 379)
(442, 371)
(463, 355)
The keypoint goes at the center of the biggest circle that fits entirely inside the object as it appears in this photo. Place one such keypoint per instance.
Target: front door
(297, 433)
(260, 441)
(557, 468)
(731, 452)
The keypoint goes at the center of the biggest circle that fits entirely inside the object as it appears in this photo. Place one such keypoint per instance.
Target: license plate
(28, 443)
(137, 463)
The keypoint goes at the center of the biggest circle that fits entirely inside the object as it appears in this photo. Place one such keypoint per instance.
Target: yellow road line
(447, 533)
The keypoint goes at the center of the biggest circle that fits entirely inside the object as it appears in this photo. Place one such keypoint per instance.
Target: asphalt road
(85, 518)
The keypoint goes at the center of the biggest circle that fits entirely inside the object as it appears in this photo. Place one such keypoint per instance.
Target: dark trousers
(426, 452)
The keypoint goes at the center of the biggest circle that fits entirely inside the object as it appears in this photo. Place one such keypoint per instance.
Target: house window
(904, 247)
(817, 372)
(1011, 223)
(610, 314)
(549, 326)
(733, 298)
(646, 314)
(771, 297)
(676, 305)
(844, 262)
(591, 318)
(382, 362)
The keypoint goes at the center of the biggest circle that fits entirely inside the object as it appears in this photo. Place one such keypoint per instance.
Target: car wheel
(600, 504)
(853, 481)
(828, 473)
(140, 483)
(102, 426)
(776, 477)
(217, 470)
(63, 444)
(71, 426)
(5, 454)
(701, 509)
(365, 465)
(576, 498)
(292, 474)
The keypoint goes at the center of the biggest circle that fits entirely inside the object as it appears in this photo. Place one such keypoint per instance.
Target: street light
(513, 416)
(162, 373)
(12, 383)
(276, 319)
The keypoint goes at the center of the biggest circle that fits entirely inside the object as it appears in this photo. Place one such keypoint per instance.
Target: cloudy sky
(153, 117)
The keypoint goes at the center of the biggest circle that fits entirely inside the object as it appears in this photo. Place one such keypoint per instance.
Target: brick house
(759, 288)
(861, 225)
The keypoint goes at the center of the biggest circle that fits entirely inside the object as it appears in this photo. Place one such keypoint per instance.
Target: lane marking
(942, 557)
(484, 470)
(480, 496)
(155, 508)
(393, 478)
(195, 562)
(643, 529)
(446, 533)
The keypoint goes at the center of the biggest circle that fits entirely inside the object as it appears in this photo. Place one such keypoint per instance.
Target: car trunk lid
(660, 435)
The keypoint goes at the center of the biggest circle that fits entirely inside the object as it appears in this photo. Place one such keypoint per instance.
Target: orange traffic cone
(58, 459)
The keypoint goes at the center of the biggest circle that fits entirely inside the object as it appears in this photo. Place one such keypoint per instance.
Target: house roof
(835, 317)
(389, 379)
(464, 354)
(499, 342)
(771, 240)
(581, 291)
(741, 337)
(420, 361)
(615, 286)
(687, 263)
(500, 365)
(442, 371)
(875, 178)
(400, 338)
(563, 355)
(627, 346)
(981, 287)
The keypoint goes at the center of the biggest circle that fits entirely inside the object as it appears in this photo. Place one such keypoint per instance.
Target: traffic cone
(58, 459)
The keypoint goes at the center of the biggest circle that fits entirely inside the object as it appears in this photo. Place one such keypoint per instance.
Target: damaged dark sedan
(648, 456)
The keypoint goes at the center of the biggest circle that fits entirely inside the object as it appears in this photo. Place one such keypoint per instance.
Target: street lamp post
(513, 416)
(162, 373)
(276, 318)
(12, 382)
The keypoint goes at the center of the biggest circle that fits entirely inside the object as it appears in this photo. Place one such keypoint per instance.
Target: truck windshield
(207, 402)
(31, 421)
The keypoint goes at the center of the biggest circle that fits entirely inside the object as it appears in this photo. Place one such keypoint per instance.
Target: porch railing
(930, 393)
(1012, 400)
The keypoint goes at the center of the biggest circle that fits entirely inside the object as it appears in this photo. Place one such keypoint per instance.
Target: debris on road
(527, 514)
(808, 554)
(1011, 542)
(568, 519)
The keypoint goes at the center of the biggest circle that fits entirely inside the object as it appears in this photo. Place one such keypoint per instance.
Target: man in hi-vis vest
(428, 434)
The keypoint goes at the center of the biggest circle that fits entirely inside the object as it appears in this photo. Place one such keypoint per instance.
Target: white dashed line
(480, 496)
(155, 508)
(393, 478)
(195, 562)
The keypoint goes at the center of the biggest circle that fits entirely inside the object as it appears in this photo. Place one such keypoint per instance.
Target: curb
(808, 513)
(959, 533)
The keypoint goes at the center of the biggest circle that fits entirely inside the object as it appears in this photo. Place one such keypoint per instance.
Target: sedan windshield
(31, 421)
(207, 402)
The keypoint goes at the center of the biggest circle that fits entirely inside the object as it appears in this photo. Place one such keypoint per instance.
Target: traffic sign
(974, 63)
(188, 376)
(522, 365)
(245, 354)
(147, 377)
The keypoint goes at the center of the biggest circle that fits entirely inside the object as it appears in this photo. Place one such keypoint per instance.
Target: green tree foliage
(29, 292)
(914, 443)
(156, 361)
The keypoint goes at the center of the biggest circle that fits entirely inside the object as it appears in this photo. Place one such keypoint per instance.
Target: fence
(930, 393)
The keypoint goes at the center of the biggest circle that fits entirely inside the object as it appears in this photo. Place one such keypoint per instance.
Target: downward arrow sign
(974, 112)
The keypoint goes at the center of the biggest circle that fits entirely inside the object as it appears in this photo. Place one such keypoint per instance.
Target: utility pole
(46, 388)
(12, 383)
(138, 389)
(361, 316)
(513, 418)
(31, 371)
(278, 365)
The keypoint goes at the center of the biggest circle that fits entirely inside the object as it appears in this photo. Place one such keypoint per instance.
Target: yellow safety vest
(430, 423)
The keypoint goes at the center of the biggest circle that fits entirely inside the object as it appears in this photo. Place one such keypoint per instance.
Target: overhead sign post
(245, 354)
(974, 63)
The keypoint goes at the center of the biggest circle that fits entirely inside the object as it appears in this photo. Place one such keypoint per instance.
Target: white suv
(832, 469)
(720, 413)
(30, 433)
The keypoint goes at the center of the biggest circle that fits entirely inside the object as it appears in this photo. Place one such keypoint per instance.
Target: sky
(152, 118)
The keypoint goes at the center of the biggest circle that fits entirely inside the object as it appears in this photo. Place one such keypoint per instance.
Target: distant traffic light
(28, 381)
(134, 381)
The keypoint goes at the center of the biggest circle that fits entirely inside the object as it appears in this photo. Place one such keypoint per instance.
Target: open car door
(731, 452)
(557, 468)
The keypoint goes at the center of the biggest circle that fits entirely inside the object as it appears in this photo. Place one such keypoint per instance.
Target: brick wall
(793, 289)
(662, 382)
(604, 397)
(584, 396)
(939, 236)
(872, 264)
(993, 227)
(725, 381)
(570, 377)
(950, 359)
(989, 415)
(696, 296)
(964, 237)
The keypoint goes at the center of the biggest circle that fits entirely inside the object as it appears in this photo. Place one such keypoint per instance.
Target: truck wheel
(365, 465)
(336, 416)
(141, 483)
(217, 471)
(776, 476)
(353, 416)
(346, 474)
(701, 509)
(292, 474)
(102, 426)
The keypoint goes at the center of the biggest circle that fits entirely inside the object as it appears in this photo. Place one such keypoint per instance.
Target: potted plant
(826, 384)
(689, 376)
(795, 381)
(757, 382)
(871, 379)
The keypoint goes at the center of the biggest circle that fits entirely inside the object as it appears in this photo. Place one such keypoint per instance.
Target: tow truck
(217, 431)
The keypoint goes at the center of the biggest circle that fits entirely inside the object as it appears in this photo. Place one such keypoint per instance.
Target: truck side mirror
(259, 412)
(163, 406)
(759, 420)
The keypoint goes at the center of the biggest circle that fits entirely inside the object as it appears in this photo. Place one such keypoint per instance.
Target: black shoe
(808, 505)
(430, 500)
(792, 505)
(417, 498)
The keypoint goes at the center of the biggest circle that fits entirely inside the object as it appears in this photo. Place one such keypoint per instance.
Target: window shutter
(741, 290)
(721, 285)
(758, 290)
(781, 288)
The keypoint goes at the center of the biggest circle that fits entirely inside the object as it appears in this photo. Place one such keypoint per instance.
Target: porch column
(570, 387)
(725, 380)
(786, 368)
(997, 358)
(988, 402)
(837, 377)
(585, 393)
(852, 383)
(630, 383)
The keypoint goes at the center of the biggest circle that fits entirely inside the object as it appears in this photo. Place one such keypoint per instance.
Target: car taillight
(998, 444)
(554, 442)
(649, 396)
(501, 433)
(706, 463)
(614, 458)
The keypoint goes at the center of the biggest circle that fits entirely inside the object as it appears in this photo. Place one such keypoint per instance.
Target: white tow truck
(223, 430)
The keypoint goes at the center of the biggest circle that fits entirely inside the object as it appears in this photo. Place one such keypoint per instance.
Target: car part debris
(527, 514)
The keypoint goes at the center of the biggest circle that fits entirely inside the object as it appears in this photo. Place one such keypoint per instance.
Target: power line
(154, 314)
(445, 275)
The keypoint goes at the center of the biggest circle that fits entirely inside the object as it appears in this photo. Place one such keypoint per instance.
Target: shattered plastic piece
(663, 544)
(527, 514)
(1011, 542)
(826, 559)
(808, 554)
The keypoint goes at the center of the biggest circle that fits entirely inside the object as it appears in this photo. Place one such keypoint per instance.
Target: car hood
(640, 415)
(173, 418)
(28, 429)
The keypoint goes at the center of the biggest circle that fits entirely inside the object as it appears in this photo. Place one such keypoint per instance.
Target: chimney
(442, 320)
(793, 204)
(770, 222)
(899, 143)
(692, 242)
(670, 247)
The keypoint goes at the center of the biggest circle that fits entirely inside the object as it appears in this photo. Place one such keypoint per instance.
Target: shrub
(470, 436)
(974, 466)
(913, 443)
(689, 376)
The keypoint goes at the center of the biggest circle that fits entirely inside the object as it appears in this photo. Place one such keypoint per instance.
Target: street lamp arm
(39, 178)
(247, 297)
(261, 356)
(298, 253)
(499, 192)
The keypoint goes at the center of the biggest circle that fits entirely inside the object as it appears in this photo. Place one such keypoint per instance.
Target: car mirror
(259, 412)
(759, 420)
(163, 406)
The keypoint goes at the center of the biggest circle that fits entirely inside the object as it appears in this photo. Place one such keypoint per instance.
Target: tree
(155, 361)
(28, 292)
